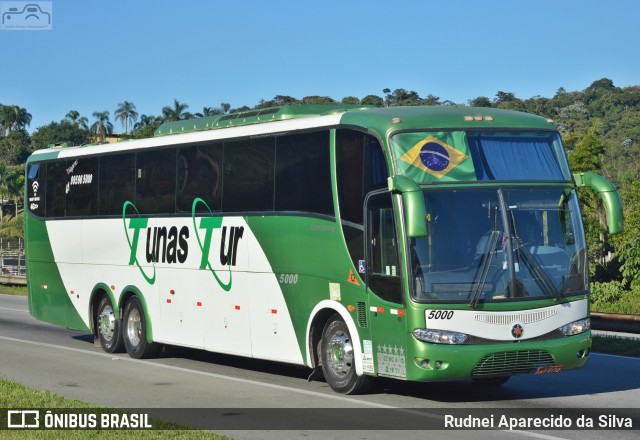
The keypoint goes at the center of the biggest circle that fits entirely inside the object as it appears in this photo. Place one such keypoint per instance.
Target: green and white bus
(418, 243)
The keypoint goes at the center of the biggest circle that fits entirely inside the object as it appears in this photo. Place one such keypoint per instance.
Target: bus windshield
(499, 244)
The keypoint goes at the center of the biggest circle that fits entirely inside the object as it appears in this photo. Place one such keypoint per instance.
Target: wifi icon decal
(35, 185)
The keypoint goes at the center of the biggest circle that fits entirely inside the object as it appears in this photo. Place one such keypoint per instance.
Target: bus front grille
(512, 362)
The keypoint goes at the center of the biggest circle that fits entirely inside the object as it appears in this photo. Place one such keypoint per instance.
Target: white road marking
(263, 384)
(14, 310)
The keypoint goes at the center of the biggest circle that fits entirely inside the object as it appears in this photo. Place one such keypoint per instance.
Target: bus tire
(108, 327)
(338, 360)
(134, 331)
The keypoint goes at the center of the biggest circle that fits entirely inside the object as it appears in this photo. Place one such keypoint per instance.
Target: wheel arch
(317, 320)
(100, 290)
(127, 293)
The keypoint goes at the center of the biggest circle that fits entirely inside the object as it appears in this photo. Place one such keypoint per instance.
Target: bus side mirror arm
(609, 195)
(415, 211)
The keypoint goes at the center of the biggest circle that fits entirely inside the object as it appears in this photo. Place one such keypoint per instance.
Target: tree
(58, 132)
(15, 148)
(146, 120)
(13, 117)
(372, 100)
(315, 99)
(126, 113)
(429, 100)
(480, 101)
(207, 111)
(588, 151)
(404, 97)
(628, 244)
(175, 112)
(79, 121)
(350, 100)
(508, 100)
(15, 184)
(102, 127)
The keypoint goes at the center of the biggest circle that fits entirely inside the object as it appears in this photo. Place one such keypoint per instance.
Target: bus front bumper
(438, 362)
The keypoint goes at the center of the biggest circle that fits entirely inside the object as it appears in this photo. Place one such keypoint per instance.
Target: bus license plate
(549, 369)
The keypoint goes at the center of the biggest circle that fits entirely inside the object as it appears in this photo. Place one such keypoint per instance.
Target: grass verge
(616, 345)
(13, 290)
(15, 395)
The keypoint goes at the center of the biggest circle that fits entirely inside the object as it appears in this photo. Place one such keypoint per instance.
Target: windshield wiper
(542, 278)
(483, 268)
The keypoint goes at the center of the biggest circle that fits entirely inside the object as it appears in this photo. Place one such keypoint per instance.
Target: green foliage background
(600, 126)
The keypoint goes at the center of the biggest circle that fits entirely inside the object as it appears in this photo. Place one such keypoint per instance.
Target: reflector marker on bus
(199, 303)
(399, 312)
(350, 308)
(71, 292)
(44, 286)
(237, 307)
(274, 311)
(113, 287)
(173, 292)
(376, 309)
(168, 301)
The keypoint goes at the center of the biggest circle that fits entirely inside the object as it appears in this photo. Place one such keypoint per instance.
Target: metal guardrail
(13, 280)
(615, 323)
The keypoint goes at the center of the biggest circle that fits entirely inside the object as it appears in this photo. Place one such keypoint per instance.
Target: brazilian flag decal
(425, 157)
(433, 156)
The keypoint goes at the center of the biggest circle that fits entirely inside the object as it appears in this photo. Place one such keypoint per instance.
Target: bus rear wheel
(338, 359)
(134, 331)
(108, 327)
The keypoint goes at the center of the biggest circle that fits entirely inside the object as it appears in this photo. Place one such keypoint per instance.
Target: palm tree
(102, 127)
(147, 120)
(126, 112)
(208, 111)
(13, 117)
(79, 121)
(175, 113)
(72, 116)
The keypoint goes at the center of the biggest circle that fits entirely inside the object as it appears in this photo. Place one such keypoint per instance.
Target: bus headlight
(576, 327)
(439, 336)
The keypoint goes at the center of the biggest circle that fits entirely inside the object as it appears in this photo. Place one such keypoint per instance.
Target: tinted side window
(156, 182)
(360, 168)
(382, 261)
(56, 173)
(82, 187)
(117, 180)
(303, 174)
(200, 176)
(248, 175)
(36, 189)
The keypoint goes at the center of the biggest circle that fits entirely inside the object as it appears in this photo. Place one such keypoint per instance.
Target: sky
(101, 53)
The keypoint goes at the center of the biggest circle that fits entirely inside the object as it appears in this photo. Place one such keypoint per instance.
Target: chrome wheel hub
(107, 323)
(134, 327)
(340, 354)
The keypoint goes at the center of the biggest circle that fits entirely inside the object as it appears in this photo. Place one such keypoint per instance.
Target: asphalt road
(67, 363)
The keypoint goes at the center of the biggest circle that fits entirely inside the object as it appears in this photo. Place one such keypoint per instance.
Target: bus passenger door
(384, 288)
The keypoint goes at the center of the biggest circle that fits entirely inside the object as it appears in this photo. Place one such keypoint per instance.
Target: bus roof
(383, 120)
(255, 116)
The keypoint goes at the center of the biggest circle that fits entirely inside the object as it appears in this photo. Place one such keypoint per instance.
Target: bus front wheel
(338, 359)
(108, 327)
(134, 331)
